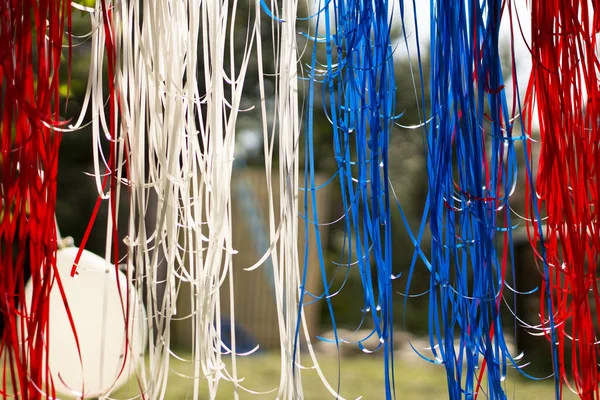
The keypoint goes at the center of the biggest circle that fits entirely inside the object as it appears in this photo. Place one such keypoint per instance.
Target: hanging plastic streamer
(32, 35)
(105, 122)
(283, 227)
(564, 91)
(472, 169)
(178, 81)
(185, 157)
(358, 89)
(172, 133)
(284, 234)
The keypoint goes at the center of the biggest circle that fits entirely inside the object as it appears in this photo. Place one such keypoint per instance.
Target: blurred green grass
(360, 376)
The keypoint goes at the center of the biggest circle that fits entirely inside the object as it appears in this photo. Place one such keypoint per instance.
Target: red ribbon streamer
(564, 88)
(31, 40)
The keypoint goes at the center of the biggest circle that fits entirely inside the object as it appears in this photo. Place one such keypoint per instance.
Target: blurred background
(255, 315)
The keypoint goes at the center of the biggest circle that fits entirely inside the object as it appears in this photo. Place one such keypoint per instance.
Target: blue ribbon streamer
(471, 169)
(358, 93)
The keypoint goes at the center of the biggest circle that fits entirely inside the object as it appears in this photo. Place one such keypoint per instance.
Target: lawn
(360, 376)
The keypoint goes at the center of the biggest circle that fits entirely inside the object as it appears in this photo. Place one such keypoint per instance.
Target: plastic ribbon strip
(356, 80)
(283, 228)
(31, 37)
(563, 90)
(472, 167)
(171, 132)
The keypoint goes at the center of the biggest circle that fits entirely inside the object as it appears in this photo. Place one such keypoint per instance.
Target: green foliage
(86, 3)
